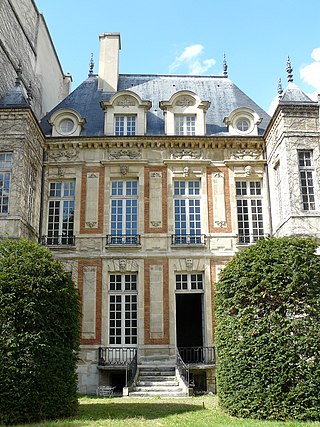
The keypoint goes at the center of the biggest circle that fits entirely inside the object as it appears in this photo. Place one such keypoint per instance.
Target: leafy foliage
(268, 331)
(39, 335)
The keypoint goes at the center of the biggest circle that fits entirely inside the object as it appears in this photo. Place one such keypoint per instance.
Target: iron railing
(247, 239)
(131, 370)
(62, 240)
(188, 239)
(123, 239)
(116, 356)
(183, 369)
(198, 355)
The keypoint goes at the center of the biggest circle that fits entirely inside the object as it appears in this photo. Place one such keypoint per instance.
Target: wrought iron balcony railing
(58, 240)
(188, 239)
(198, 355)
(116, 356)
(123, 239)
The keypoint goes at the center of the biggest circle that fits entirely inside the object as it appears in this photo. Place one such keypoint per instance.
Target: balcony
(198, 355)
(62, 240)
(188, 239)
(123, 240)
(116, 356)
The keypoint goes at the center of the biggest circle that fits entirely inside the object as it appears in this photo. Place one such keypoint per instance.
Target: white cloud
(190, 59)
(311, 73)
(273, 105)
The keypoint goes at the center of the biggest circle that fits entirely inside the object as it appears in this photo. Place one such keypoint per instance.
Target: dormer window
(125, 114)
(185, 114)
(125, 125)
(243, 121)
(66, 122)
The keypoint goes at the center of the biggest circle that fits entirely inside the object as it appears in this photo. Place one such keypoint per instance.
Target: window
(125, 125)
(32, 187)
(124, 212)
(189, 282)
(242, 124)
(5, 181)
(279, 190)
(185, 125)
(249, 211)
(307, 180)
(187, 212)
(123, 313)
(66, 126)
(61, 213)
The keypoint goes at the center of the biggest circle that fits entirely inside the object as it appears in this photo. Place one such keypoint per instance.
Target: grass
(125, 412)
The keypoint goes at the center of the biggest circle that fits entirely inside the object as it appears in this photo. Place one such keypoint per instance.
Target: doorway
(189, 323)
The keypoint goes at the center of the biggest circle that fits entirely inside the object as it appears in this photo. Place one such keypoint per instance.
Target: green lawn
(126, 412)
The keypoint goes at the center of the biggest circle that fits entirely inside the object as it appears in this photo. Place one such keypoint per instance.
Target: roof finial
(280, 90)
(19, 74)
(29, 93)
(91, 65)
(289, 71)
(225, 66)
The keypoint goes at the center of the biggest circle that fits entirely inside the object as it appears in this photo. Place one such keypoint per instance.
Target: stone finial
(19, 74)
(280, 90)
(29, 93)
(225, 66)
(91, 65)
(289, 71)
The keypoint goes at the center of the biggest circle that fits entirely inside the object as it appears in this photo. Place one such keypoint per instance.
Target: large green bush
(268, 331)
(39, 335)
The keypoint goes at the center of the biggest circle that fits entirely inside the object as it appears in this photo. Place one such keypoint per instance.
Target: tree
(268, 331)
(39, 335)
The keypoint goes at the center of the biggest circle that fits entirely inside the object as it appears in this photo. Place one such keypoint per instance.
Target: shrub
(39, 335)
(268, 331)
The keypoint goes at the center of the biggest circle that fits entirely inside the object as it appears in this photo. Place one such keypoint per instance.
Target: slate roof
(14, 98)
(223, 94)
(293, 95)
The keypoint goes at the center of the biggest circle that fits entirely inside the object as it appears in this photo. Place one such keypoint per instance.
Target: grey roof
(223, 94)
(14, 98)
(293, 95)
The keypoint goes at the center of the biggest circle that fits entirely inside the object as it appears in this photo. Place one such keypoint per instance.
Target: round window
(66, 126)
(243, 124)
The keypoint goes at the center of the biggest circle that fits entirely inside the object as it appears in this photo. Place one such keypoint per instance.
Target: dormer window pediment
(125, 114)
(243, 121)
(66, 122)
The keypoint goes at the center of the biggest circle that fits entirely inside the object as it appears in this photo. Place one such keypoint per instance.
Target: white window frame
(128, 126)
(5, 181)
(249, 211)
(123, 310)
(189, 282)
(31, 194)
(307, 180)
(185, 124)
(61, 205)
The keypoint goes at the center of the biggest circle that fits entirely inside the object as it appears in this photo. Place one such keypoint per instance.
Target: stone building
(144, 186)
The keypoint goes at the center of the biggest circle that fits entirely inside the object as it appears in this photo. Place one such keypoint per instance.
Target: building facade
(144, 186)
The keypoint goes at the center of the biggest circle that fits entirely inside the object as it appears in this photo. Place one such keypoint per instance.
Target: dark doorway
(189, 320)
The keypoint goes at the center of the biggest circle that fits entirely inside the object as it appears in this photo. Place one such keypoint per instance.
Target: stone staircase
(159, 381)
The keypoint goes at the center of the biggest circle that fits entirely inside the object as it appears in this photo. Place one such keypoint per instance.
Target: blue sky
(186, 36)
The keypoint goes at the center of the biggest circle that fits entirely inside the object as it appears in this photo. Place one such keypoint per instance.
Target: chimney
(109, 61)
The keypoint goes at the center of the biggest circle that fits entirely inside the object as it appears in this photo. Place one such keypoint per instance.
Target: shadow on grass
(111, 409)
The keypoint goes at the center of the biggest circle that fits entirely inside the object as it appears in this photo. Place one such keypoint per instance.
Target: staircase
(158, 380)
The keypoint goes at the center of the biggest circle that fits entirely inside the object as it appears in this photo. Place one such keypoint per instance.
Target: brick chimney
(109, 61)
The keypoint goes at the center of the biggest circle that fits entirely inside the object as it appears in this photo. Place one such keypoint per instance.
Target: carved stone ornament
(156, 174)
(248, 170)
(126, 102)
(93, 175)
(91, 224)
(124, 169)
(69, 154)
(245, 154)
(189, 264)
(185, 153)
(221, 224)
(125, 153)
(122, 264)
(156, 224)
(61, 171)
(186, 171)
(186, 101)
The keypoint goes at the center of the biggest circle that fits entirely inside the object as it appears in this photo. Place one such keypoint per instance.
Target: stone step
(158, 393)
(173, 383)
(158, 388)
(160, 375)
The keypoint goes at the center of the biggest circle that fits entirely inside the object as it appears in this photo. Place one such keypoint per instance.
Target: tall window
(185, 125)
(306, 171)
(123, 311)
(279, 190)
(5, 181)
(124, 212)
(187, 220)
(125, 125)
(31, 193)
(249, 211)
(61, 213)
